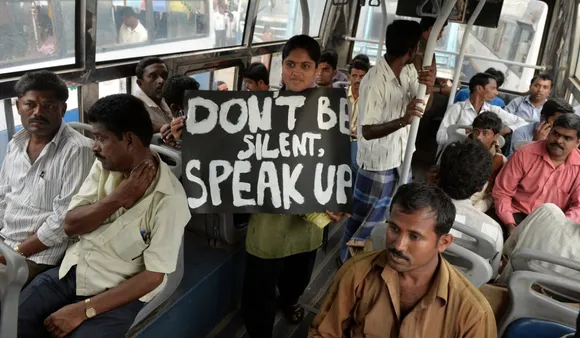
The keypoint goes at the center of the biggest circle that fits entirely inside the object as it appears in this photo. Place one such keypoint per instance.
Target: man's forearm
(375, 131)
(32, 245)
(87, 218)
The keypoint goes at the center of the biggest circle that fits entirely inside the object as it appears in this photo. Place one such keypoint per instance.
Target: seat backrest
(483, 245)
(171, 154)
(527, 260)
(173, 281)
(456, 132)
(528, 303)
(474, 267)
(13, 275)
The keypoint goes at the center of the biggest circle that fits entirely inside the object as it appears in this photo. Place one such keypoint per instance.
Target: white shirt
(34, 197)
(466, 214)
(145, 237)
(219, 21)
(383, 99)
(546, 229)
(128, 35)
(463, 113)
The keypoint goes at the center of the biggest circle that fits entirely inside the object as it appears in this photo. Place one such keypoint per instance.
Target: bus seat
(529, 327)
(173, 281)
(172, 155)
(456, 132)
(13, 275)
(157, 139)
(527, 260)
(483, 245)
(476, 268)
(531, 311)
(80, 127)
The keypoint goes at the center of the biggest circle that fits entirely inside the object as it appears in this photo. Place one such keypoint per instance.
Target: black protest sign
(273, 152)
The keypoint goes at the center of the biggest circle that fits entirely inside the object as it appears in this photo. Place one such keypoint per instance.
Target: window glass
(203, 79)
(517, 38)
(3, 132)
(33, 34)
(227, 76)
(276, 71)
(281, 19)
(117, 86)
(171, 26)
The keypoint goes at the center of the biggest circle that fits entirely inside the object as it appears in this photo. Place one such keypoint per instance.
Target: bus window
(226, 75)
(4, 139)
(276, 70)
(111, 87)
(280, 20)
(33, 35)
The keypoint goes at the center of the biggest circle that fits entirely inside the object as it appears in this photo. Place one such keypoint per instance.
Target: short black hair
(219, 83)
(175, 87)
(428, 22)
(465, 168)
(415, 196)
(488, 120)
(146, 62)
(329, 57)
(363, 58)
(123, 113)
(480, 79)
(305, 42)
(545, 77)
(42, 80)
(497, 74)
(402, 36)
(257, 71)
(568, 121)
(553, 106)
(128, 12)
(357, 64)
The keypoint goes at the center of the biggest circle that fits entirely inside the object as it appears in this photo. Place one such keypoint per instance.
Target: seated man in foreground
(128, 217)
(407, 290)
(542, 172)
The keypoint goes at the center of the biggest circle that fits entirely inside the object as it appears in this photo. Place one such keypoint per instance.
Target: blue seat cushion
(529, 327)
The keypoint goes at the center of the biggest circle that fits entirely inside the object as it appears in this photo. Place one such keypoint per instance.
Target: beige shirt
(364, 301)
(158, 114)
(146, 237)
(353, 113)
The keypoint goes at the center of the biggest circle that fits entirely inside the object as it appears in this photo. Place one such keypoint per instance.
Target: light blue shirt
(523, 107)
(463, 94)
(523, 134)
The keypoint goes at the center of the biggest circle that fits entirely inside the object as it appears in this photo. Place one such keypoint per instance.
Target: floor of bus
(324, 269)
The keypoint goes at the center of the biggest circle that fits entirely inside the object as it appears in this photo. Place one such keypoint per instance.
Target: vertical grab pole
(383, 31)
(427, 61)
(461, 57)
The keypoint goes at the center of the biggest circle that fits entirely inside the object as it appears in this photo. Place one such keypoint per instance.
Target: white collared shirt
(546, 229)
(158, 114)
(34, 197)
(467, 215)
(463, 113)
(383, 99)
(146, 237)
(128, 35)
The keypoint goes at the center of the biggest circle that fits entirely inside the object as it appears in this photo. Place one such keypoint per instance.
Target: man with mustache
(357, 70)
(151, 74)
(409, 289)
(326, 69)
(128, 218)
(542, 172)
(44, 167)
(529, 107)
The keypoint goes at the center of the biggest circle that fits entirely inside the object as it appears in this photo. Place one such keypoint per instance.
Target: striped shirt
(384, 98)
(34, 197)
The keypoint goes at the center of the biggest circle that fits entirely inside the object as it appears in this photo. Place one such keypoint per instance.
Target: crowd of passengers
(100, 236)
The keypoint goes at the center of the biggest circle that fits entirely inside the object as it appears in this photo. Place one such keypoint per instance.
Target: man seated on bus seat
(463, 94)
(131, 31)
(542, 172)
(129, 217)
(538, 131)
(174, 95)
(356, 71)
(548, 230)
(326, 69)
(257, 77)
(483, 88)
(485, 129)
(529, 107)
(387, 105)
(44, 166)
(409, 289)
(151, 74)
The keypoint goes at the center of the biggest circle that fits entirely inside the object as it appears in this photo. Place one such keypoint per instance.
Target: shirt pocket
(128, 244)
(43, 193)
(562, 199)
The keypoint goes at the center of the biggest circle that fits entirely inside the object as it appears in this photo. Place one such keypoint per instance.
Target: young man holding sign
(387, 104)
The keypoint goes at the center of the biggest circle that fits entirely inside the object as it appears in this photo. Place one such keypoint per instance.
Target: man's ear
(444, 242)
(139, 83)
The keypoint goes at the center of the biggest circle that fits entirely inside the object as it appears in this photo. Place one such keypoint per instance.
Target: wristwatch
(90, 311)
(17, 249)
